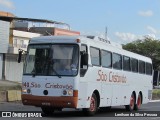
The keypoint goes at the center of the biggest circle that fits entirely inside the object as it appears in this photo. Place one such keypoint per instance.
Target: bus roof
(94, 41)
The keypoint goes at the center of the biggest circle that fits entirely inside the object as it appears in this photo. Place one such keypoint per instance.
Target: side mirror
(20, 55)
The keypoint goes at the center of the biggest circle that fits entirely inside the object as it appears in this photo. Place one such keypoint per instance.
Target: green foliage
(156, 91)
(156, 94)
(147, 47)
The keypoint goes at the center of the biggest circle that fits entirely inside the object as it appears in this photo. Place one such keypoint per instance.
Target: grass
(156, 91)
(156, 94)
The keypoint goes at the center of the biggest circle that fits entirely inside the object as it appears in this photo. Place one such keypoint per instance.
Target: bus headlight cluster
(67, 92)
(26, 91)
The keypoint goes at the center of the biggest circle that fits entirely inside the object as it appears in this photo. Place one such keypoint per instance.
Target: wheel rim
(132, 102)
(139, 102)
(92, 104)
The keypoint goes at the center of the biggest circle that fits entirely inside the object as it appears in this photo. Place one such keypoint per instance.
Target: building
(4, 37)
(15, 34)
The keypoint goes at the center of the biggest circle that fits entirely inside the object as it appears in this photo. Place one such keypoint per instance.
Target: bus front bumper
(40, 101)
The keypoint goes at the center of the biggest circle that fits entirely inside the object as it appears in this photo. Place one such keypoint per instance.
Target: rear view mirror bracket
(20, 52)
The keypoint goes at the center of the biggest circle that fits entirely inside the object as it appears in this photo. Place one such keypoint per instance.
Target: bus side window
(141, 67)
(126, 63)
(106, 59)
(134, 65)
(95, 56)
(148, 69)
(117, 61)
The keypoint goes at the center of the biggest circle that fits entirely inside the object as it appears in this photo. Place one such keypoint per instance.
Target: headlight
(70, 92)
(67, 92)
(24, 90)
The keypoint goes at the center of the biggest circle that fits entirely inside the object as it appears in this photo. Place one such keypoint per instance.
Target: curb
(154, 101)
(10, 95)
(3, 97)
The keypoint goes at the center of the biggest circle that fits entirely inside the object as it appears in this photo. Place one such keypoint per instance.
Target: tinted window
(95, 56)
(106, 58)
(126, 63)
(148, 69)
(141, 67)
(134, 65)
(117, 61)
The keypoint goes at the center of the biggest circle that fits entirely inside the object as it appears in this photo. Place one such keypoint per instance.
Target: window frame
(99, 56)
(112, 61)
(140, 61)
(151, 68)
(110, 58)
(137, 65)
(124, 56)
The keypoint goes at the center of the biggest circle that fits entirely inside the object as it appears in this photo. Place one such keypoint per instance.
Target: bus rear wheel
(47, 110)
(93, 106)
(139, 102)
(131, 106)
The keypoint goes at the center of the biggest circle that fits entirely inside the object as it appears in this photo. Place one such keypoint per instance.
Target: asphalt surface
(70, 114)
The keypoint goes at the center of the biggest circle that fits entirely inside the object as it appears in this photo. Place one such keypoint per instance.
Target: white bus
(84, 72)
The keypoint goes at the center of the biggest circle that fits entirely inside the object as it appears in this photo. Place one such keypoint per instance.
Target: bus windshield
(52, 60)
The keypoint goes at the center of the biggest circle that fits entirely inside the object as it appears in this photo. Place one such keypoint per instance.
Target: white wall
(17, 33)
(14, 70)
(4, 36)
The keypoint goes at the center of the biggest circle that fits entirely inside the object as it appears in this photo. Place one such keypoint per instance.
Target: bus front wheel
(93, 106)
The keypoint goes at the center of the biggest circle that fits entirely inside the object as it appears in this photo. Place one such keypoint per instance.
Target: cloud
(7, 3)
(153, 36)
(153, 30)
(147, 13)
(95, 33)
(128, 37)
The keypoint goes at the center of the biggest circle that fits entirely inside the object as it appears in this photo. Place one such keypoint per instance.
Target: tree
(147, 47)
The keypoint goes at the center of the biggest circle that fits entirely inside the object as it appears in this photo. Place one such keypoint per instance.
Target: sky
(126, 20)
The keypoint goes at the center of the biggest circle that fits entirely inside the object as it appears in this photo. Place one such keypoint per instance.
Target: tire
(139, 102)
(47, 110)
(93, 106)
(131, 106)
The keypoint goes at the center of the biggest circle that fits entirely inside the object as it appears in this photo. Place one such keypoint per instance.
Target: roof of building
(10, 19)
(7, 14)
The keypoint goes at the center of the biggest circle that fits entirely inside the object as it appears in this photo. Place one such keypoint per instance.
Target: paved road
(78, 114)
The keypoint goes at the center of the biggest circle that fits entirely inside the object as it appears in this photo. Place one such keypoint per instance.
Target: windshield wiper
(56, 73)
(51, 62)
(33, 72)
